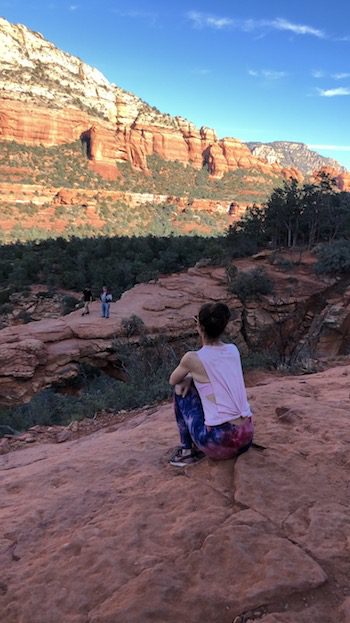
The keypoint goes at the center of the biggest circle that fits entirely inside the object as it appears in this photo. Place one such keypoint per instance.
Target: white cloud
(201, 71)
(341, 75)
(149, 16)
(298, 29)
(334, 92)
(331, 147)
(318, 73)
(204, 20)
(268, 74)
(73, 7)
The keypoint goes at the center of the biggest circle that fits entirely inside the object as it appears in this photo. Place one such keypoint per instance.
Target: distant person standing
(106, 299)
(87, 299)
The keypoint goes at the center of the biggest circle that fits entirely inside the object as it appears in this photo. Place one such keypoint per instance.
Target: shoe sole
(187, 464)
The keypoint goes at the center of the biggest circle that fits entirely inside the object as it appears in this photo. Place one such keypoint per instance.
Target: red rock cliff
(49, 97)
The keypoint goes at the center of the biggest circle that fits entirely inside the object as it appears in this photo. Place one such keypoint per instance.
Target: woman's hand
(182, 389)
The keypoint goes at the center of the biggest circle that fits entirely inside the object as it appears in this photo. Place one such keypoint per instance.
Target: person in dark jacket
(87, 298)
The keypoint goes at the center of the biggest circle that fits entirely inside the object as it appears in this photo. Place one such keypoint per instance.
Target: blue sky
(256, 70)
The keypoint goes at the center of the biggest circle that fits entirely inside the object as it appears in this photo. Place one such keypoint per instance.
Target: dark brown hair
(213, 318)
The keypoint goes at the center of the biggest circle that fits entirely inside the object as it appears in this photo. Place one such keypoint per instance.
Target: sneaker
(183, 457)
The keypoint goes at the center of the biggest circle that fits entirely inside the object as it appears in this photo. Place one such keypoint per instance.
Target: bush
(69, 304)
(251, 284)
(260, 359)
(231, 273)
(132, 326)
(24, 316)
(334, 258)
(148, 365)
(6, 308)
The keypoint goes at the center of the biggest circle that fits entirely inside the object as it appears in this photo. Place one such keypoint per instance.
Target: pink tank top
(222, 364)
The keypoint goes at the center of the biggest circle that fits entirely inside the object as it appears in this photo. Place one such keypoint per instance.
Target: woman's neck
(208, 342)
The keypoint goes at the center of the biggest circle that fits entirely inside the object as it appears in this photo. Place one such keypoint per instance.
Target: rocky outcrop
(48, 97)
(86, 204)
(293, 155)
(101, 529)
(341, 178)
(303, 320)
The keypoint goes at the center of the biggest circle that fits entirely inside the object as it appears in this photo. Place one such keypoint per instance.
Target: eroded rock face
(290, 154)
(103, 530)
(69, 100)
(341, 177)
(300, 321)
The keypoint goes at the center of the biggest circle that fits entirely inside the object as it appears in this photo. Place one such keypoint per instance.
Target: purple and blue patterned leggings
(224, 441)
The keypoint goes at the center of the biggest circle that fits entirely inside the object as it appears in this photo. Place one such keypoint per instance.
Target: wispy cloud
(73, 7)
(342, 75)
(149, 16)
(202, 20)
(205, 20)
(200, 71)
(339, 91)
(331, 147)
(297, 29)
(268, 74)
(318, 73)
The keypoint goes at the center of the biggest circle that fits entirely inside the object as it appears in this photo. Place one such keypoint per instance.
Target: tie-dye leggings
(217, 442)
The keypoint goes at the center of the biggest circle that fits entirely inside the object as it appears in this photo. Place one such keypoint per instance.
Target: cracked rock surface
(103, 530)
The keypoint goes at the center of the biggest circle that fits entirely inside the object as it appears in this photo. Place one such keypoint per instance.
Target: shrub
(231, 273)
(133, 326)
(69, 304)
(5, 295)
(148, 364)
(6, 308)
(24, 316)
(260, 359)
(334, 258)
(251, 284)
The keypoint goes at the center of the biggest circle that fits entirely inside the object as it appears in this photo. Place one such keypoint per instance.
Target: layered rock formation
(304, 319)
(291, 154)
(103, 530)
(85, 203)
(342, 179)
(49, 97)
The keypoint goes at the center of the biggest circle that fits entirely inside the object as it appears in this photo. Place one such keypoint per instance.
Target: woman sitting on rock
(211, 407)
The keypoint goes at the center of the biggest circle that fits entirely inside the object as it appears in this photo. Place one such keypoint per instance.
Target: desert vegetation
(148, 362)
(314, 217)
(67, 166)
(118, 261)
(297, 215)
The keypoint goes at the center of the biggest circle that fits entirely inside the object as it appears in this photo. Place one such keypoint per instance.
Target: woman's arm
(182, 370)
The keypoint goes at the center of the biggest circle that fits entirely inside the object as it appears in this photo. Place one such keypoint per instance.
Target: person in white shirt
(211, 407)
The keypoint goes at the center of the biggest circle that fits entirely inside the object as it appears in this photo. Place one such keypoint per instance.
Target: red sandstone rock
(44, 126)
(40, 353)
(107, 143)
(341, 178)
(293, 173)
(217, 540)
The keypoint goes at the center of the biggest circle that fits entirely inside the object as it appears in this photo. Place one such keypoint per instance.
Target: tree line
(296, 215)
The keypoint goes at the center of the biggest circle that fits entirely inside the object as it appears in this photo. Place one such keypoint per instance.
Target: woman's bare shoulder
(191, 355)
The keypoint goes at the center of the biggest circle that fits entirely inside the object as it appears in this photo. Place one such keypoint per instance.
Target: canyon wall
(301, 322)
(49, 97)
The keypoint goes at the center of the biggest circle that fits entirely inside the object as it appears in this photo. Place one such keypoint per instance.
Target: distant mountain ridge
(293, 154)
